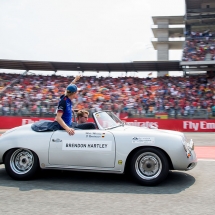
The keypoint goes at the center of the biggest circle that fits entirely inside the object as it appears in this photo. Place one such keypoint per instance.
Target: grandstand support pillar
(25, 73)
(162, 54)
(168, 33)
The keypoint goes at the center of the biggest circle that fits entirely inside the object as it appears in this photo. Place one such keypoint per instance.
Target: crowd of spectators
(200, 34)
(32, 95)
(199, 46)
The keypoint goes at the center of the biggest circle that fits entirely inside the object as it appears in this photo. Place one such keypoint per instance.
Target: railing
(201, 10)
(203, 38)
(128, 113)
(167, 26)
(172, 114)
(200, 16)
(12, 82)
(167, 39)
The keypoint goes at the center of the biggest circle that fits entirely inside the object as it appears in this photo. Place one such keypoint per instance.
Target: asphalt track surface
(65, 192)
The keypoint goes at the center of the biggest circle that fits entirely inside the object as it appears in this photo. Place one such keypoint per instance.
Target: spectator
(199, 46)
(30, 94)
(213, 110)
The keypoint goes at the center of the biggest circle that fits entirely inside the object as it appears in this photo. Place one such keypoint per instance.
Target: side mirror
(123, 122)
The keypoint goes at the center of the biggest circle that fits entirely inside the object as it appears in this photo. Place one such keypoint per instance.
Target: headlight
(188, 146)
(191, 144)
(184, 141)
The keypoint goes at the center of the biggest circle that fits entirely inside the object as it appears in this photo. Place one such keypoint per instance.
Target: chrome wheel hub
(148, 165)
(21, 161)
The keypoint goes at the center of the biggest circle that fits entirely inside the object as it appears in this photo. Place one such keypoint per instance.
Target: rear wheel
(149, 166)
(21, 164)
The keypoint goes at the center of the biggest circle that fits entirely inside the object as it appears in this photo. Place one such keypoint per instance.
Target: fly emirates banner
(170, 124)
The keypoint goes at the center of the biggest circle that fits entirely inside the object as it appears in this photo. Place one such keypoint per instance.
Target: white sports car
(146, 154)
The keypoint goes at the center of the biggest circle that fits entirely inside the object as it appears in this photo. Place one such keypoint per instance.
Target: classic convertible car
(146, 154)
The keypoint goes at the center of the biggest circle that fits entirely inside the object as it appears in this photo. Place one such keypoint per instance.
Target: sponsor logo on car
(95, 135)
(86, 145)
(143, 140)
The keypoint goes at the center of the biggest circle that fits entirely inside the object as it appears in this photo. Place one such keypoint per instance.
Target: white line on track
(200, 159)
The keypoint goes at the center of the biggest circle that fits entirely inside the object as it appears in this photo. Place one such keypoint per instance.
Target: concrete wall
(162, 33)
(161, 74)
(163, 43)
(163, 51)
(162, 54)
(162, 48)
(204, 5)
(163, 23)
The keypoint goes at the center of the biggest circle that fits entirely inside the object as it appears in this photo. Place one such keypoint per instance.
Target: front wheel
(21, 164)
(149, 166)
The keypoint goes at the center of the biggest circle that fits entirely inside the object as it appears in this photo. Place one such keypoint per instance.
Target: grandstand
(199, 47)
(163, 97)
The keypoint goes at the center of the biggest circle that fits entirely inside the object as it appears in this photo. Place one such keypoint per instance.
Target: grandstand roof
(80, 66)
(173, 20)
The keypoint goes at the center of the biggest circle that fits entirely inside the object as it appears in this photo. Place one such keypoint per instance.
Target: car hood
(17, 129)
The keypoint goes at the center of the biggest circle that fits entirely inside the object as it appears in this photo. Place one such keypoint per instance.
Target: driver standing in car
(64, 109)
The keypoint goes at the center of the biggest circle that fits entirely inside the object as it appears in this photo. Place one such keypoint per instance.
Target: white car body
(106, 149)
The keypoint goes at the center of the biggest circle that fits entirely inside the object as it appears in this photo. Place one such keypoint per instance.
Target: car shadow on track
(176, 182)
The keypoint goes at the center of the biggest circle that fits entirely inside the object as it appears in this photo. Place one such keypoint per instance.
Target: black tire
(21, 164)
(149, 166)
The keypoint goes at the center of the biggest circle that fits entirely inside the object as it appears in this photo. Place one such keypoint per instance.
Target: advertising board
(188, 125)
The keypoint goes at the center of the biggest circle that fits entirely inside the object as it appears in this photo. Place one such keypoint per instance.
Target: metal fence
(172, 114)
(130, 113)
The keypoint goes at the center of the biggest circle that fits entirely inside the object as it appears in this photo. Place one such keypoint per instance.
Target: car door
(86, 148)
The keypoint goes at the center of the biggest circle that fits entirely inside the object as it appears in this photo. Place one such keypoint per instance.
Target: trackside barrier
(170, 124)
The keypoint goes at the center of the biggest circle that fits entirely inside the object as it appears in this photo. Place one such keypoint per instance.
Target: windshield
(106, 120)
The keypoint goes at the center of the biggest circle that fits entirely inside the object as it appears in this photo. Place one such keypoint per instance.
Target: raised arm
(76, 79)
